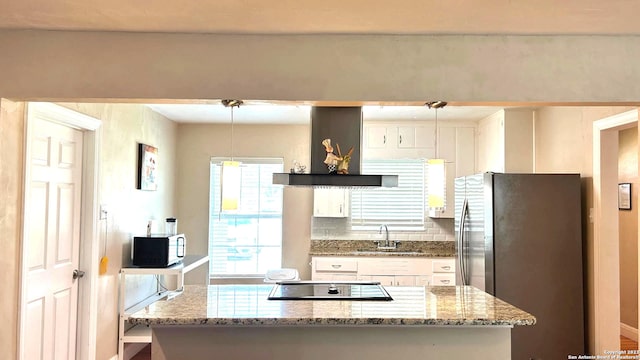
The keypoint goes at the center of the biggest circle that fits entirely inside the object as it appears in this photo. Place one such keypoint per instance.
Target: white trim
(89, 246)
(629, 332)
(606, 284)
(61, 115)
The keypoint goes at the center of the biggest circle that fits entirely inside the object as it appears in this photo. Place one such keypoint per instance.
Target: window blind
(247, 241)
(402, 207)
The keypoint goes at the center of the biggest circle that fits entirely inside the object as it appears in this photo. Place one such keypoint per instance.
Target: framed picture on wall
(147, 167)
(624, 196)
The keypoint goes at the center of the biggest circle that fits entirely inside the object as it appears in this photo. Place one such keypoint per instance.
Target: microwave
(157, 251)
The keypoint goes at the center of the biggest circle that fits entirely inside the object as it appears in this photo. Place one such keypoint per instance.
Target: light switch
(104, 210)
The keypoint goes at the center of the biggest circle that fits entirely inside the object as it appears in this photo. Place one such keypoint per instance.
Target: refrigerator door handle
(461, 244)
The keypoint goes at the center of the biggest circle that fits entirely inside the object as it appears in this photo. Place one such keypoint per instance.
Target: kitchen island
(239, 322)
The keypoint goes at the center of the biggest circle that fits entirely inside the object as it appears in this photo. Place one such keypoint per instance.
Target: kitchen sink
(323, 290)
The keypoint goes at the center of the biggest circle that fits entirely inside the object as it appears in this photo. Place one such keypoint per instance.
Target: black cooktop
(323, 290)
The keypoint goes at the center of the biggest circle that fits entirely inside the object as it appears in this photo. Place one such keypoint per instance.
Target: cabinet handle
(335, 266)
(445, 281)
(446, 267)
(384, 139)
(340, 208)
(400, 139)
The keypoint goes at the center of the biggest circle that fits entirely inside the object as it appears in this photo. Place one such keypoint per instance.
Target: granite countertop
(380, 253)
(247, 305)
(432, 249)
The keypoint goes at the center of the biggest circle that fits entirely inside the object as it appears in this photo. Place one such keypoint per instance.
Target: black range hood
(343, 125)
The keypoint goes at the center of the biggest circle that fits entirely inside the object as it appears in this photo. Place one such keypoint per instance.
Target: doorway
(606, 257)
(58, 243)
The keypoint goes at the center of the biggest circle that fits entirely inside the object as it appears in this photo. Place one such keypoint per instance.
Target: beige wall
(628, 225)
(11, 184)
(198, 143)
(470, 68)
(564, 143)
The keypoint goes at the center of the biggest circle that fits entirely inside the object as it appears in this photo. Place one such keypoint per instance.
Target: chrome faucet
(387, 245)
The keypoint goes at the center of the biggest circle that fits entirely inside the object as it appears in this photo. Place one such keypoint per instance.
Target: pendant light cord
(436, 134)
(232, 133)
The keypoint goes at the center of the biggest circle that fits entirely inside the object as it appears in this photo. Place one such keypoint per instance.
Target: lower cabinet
(389, 271)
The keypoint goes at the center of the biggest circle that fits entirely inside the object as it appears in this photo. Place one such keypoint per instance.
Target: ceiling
(300, 114)
(517, 17)
(328, 16)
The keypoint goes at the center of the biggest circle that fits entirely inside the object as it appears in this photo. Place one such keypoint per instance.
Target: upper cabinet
(416, 137)
(385, 141)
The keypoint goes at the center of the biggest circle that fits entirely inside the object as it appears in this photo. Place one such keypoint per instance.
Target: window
(370, 207)
(248, 241)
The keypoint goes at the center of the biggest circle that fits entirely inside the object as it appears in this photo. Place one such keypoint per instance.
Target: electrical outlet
(104, 210)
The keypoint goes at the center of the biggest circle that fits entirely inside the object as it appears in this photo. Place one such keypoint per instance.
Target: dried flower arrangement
(339, 163)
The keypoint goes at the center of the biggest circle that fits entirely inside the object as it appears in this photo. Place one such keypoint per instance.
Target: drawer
(443, 266)
(336, 265)
(443, 279)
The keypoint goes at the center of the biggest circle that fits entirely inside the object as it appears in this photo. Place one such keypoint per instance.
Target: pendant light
(230, 175)
(436, 175)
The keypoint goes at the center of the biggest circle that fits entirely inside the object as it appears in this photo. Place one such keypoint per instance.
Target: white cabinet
(406, 140)
(331, 202)
(457, 147)
(465, 151)
(376, 137)
(444, 272)
(456, 144)
(140, 333)
(390, 271)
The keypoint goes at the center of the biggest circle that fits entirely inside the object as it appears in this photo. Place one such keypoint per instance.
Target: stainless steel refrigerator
(519, 238)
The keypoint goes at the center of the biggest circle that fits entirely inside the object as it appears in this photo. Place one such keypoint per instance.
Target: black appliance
(519, 238)
(319, 290)
(158, 251)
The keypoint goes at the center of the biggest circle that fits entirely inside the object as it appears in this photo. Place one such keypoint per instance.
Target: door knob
(77, 274)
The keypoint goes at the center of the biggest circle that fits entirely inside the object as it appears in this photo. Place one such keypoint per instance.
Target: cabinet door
(376, 137)
(465, 151)
(423, 280)
(330, 203)
(447, 143)
(405, 280)
(406, 137)
(386, 280)
(425, 137)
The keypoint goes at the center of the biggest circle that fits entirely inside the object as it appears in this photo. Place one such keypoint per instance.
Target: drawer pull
(445, 281)
(447, 267)
(336, 266)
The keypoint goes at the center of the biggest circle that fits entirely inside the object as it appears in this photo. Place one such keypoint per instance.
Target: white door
(51, 242)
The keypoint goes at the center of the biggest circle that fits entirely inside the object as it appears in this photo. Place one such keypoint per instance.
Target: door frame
(606, 257)
(89, 232)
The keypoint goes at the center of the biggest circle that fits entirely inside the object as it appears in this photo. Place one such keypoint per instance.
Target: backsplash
(323, 228)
